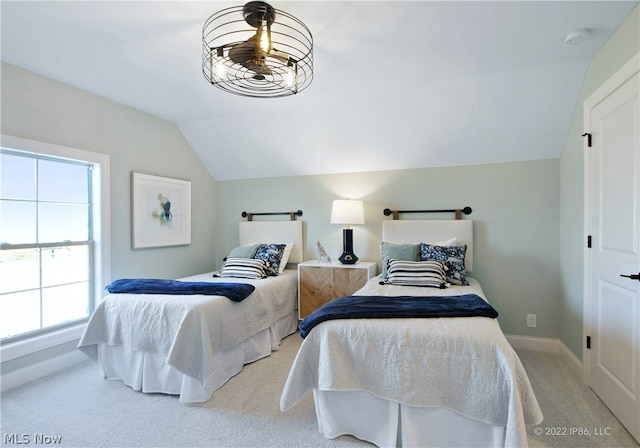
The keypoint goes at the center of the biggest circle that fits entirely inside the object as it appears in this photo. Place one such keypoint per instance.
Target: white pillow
(446, 243)
(285, 257)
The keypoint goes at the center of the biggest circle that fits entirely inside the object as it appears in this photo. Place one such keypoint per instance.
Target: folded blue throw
(233, 291)
(376, 307)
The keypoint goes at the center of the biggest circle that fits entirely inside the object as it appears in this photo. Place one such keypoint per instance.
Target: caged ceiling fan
(257, 51)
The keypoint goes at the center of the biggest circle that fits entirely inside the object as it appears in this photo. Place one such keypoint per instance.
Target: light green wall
(621, 47)
(515, 214)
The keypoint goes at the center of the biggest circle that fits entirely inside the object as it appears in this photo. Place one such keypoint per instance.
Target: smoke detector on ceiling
(577, 37)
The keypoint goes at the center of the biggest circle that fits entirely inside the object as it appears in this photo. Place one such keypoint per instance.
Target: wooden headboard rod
(292, 215)
(458, 212)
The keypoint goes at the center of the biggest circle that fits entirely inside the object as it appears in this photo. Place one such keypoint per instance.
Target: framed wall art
(161, 211)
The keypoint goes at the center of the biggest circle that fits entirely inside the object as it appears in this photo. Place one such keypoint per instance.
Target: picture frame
(160, 211)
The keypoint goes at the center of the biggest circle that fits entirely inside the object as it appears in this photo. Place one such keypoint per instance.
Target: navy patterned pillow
(451, 256)
(272, 254)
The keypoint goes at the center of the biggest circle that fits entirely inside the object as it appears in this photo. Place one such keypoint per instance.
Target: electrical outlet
(531, 320)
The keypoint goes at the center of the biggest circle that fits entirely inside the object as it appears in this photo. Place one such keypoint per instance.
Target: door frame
(626, 72)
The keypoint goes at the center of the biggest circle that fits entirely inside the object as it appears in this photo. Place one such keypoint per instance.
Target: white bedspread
(464, 364)
(189, 329)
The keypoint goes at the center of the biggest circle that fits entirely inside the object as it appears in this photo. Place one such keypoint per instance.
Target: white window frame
(101, 235)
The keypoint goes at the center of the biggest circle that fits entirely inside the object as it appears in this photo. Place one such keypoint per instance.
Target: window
(53, 242)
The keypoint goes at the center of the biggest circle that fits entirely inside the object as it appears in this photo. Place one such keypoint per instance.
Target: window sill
(17, 349)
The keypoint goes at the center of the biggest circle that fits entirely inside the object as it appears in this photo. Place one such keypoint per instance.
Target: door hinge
(589, 241)
(586, 134)
(589, 342)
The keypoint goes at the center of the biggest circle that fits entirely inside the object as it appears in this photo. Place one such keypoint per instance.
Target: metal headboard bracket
(292, 215)
(458, 212)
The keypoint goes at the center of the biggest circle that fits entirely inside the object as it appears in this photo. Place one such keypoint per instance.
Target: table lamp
(346, 211)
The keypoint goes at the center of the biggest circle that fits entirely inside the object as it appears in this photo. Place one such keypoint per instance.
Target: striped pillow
(244, 268)
(417, 273)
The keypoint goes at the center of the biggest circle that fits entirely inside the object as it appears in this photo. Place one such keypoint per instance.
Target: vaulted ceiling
(396, 84)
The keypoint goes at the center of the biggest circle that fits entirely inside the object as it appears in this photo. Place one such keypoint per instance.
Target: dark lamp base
(347, 257)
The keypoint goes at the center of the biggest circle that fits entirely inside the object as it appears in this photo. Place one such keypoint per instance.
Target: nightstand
(319, 283)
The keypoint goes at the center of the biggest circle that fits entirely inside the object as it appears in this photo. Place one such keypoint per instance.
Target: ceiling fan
(253, 52)
(272, 57)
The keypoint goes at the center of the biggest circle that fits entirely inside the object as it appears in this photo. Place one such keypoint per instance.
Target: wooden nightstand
(319, 283)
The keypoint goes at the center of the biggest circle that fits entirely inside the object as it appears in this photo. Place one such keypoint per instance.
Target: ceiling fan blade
(249, 56)
(280, 56)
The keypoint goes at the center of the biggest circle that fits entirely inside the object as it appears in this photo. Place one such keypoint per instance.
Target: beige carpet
(84, 410)
(569, 407)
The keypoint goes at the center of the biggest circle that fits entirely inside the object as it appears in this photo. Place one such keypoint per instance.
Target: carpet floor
(77, 408)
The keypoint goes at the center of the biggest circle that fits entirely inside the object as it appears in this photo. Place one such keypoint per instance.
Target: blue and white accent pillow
(417, 273)
(243, 268)
(451, 256)
(272, 255)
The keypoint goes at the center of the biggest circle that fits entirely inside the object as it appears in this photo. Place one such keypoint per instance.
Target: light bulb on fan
(290, 78)
(221, 69)
(217, 66)
(265, 37)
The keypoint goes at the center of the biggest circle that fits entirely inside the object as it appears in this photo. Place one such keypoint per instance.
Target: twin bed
(190, 345)
(449, 381)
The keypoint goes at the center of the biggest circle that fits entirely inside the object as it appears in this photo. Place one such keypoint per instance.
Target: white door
(613, 222)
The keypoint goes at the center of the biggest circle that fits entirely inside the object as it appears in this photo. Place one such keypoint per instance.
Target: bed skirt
(390, 424)
(148, 372)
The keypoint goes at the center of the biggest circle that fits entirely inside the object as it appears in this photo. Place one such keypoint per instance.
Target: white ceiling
(396, 84)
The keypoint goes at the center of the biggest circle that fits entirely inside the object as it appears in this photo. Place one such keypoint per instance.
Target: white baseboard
(533, 343)
(44, 368)
(573, 359)
(545, 345)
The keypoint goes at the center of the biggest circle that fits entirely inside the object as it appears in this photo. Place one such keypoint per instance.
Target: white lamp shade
(346, 211)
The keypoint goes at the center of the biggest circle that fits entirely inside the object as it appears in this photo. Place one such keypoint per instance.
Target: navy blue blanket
(233, 291)
(357, 307)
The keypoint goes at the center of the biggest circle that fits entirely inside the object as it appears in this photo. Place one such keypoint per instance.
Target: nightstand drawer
(315, 288)
(319, 283)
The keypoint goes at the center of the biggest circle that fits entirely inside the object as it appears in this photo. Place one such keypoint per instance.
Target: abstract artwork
(161, 211)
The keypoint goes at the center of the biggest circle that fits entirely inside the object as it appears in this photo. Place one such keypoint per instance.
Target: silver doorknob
(632, 276)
